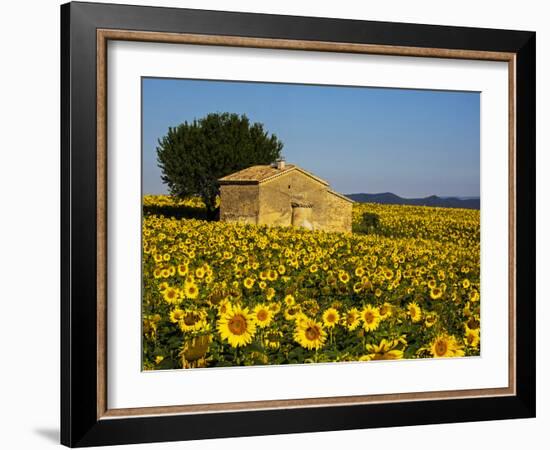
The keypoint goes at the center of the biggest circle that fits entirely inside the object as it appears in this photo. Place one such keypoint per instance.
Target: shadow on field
(177, 212)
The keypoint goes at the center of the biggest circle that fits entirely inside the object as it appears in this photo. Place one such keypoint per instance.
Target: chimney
(281, 163)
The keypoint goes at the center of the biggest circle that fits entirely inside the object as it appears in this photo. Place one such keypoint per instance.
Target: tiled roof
(261, 174)
(343, 197)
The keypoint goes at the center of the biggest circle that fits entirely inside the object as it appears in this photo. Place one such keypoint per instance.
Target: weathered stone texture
(239, 203)
(277, 197)
(337, 213)
(291, 197)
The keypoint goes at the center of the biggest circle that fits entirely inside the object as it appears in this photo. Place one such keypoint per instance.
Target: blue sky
(413, 143)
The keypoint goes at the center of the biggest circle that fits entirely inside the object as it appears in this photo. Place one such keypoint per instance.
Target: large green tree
(193, 156)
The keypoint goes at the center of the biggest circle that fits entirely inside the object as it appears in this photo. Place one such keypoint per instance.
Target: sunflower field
(403, 285)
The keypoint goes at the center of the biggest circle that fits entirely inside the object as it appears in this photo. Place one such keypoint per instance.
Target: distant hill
(387, 198)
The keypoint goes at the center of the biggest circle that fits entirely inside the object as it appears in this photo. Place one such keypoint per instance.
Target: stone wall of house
(335, 214)
(278, 195)
(277, 202)
(239, 203)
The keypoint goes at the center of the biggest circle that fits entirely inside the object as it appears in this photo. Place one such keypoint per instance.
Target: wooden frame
(86, 418)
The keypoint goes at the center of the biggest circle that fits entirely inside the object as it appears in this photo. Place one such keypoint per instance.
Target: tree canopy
(194, 155)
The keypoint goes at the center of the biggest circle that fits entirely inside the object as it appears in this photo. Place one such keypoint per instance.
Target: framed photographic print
(276, 224)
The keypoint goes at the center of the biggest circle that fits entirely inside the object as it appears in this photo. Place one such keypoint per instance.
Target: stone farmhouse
(283, 195)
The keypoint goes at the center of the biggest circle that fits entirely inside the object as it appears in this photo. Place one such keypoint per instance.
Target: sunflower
(191, 320)
(272, 339)
(237, 326)
(414, 311)
(343, 276)
(291, 312)
(311, 306)
(436, 293)
(471, 337)
(263, 315)
(269, 293)
(289, 300)
(351, 319)
(430, 320)
(365, 281)
(384, 351)
(445, 346)
(176, 315)
(359, 271)
(473, 323)
(223, 307)
(300, 318)
(466, 283)
(385, 311)
(370, 315)
(331, 317)
(310, 334)
(248, 282)
(171, 295)
(190, 289)
(272, 275)
(474, 295)
(275, 307)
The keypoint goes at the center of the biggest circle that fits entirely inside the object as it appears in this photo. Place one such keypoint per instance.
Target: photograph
(295, 224)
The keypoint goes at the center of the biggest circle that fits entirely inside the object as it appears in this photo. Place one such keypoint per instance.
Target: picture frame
(86, 418)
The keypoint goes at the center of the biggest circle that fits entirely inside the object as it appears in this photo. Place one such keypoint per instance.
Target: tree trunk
(212, 214)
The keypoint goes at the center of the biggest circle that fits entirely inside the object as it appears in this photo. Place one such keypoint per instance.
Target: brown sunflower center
(191, 319)
(331, 318)
(262, 315)
(441, 347)
(312, 333)
(237, 325)
(369, 317)
(383, 310)
(171, 294)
